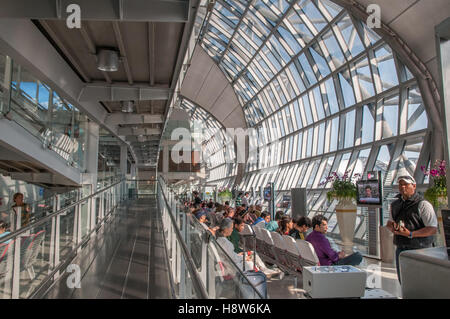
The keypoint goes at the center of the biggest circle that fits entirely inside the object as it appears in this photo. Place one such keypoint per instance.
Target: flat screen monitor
(267, 193)
(368, 192)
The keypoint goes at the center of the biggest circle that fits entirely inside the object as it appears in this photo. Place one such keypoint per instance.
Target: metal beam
(91, 93)
(134, 138)
(106, 10)
(126, 131)
(126, 118)
(47, 178)
(123, 54)
(91, 47)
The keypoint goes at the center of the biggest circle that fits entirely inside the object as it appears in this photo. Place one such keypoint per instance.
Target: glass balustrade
(32, 104)
(34, 252)
(210, 266)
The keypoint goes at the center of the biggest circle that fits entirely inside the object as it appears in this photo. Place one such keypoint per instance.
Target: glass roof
(329, 94)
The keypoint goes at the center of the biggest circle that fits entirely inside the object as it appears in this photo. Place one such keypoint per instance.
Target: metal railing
(200, 267)
(32, 256)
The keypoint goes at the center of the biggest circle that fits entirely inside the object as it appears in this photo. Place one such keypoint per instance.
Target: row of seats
(29, 250)
(288, 254)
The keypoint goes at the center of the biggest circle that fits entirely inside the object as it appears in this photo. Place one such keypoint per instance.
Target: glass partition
(218, 274)
(38, 247)
(32, 104)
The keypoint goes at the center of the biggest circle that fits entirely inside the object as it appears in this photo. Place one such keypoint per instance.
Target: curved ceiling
(207, 86)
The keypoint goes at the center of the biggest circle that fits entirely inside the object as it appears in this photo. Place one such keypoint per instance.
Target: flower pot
(443, 204)
(346, 219)
(224, 199)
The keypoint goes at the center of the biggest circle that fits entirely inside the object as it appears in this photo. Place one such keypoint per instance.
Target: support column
(443, 51)
(123, 159)
(91, 159)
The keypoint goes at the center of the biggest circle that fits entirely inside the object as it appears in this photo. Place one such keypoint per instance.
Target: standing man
(413, 220)
(246, 199)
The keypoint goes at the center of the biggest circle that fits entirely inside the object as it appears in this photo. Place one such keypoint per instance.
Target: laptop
(446, 223)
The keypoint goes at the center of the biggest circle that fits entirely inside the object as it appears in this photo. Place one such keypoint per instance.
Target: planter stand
(346, 219)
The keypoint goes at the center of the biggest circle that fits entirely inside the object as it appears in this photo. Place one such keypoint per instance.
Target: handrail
(62, 210)
(241, 273)
(197, 283)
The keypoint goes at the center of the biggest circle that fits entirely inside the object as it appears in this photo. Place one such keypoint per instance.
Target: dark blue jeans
(352, 260)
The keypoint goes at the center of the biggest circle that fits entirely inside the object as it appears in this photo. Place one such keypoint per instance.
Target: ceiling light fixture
(107, 60)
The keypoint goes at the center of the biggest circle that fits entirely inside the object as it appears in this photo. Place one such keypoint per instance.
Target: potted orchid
(437, 194)
(344, 190)
(224, 194)
(343, 187)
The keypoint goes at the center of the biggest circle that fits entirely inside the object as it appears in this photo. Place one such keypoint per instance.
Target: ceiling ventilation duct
(107, 60)
(127, 106)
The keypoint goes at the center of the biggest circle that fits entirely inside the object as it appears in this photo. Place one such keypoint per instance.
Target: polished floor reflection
(126, 260)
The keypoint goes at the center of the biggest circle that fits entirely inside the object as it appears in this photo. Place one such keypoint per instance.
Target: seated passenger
(26, 210)
(274, 224)
(262, 220)
(223, 232)
(229, 213)
(327, 256)
(201, 216)
(286, 225)
(3, 232)
(300, 228)
(250, 216)
(235, 237)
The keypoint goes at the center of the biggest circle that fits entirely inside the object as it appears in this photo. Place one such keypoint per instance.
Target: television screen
(267, 193)
(368, 192)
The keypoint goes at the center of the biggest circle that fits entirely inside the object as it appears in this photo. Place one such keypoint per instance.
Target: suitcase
(257, 278)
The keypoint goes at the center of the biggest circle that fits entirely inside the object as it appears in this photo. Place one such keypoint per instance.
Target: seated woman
(237, 254)
(286, 225)
(225, 230)
(201, 216)
(274, 224)
(3, 232)
(25, 211)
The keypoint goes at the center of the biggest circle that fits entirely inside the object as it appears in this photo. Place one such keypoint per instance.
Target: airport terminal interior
(224, 149)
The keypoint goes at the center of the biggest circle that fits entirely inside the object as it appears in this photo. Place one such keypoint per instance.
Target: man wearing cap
(413, 220)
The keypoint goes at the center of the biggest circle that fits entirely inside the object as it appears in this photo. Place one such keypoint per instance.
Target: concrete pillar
(91, 159)
(123, 159)
(133, 172)
(165, 163)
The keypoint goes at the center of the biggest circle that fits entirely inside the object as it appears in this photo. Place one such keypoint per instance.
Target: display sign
(267, 193)
(286, 202)
(369, 191)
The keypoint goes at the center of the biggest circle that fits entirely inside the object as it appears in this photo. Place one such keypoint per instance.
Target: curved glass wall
(218, 153)
(327, 92)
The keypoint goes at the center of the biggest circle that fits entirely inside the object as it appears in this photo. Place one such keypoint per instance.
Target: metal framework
(328, 93)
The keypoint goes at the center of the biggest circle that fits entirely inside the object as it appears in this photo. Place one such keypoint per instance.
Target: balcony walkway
(125, 261)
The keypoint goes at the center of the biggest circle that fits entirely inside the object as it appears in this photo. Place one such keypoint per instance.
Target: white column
(91, 159)
(123, 159)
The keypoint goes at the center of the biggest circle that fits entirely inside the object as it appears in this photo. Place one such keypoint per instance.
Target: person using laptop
(412, 221)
